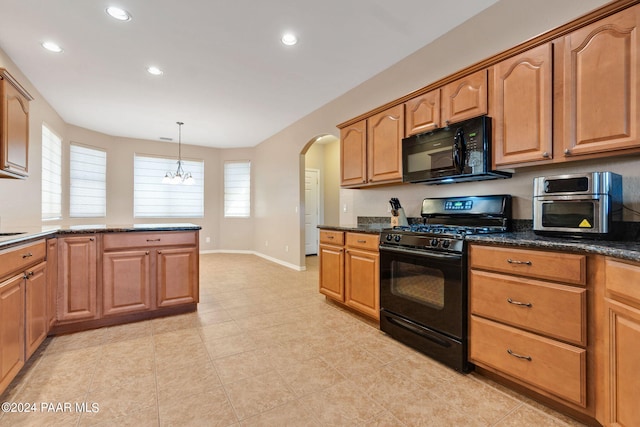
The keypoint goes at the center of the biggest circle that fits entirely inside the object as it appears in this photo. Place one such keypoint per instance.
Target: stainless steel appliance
(579, 205)
(423, 280)
(456, 153)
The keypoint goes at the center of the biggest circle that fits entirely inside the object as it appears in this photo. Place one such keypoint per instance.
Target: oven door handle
(426, 254)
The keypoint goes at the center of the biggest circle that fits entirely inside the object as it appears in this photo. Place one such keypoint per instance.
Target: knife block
(398, 218)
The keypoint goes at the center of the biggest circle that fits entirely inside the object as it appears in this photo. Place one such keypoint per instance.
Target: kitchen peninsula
(65, 279)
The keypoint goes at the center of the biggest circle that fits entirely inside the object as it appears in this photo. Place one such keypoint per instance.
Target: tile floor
(263, 349)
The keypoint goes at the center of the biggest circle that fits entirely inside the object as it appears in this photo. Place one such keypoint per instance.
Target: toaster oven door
(588, 215)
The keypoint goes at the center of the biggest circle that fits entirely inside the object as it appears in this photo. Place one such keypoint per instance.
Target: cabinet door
(77, 281)
(384, 145)
(177, 276)
(353, 154)
(332, 272)
(522, 88)
(465, 98)
(623, 360)
(601, 83)
(52, 280)
(422, 113)
(362, 282)
(126, 285)
(36, 320)
(15, 132)
(11, 329)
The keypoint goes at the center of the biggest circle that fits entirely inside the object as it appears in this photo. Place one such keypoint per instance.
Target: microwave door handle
(459, 150)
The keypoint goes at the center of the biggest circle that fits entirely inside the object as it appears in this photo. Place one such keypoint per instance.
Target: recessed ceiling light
(289, 39)
(119, 14)
(52, 47)
(155, 71)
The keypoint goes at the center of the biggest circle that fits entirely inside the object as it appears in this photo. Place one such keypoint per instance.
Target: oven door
(426, 288)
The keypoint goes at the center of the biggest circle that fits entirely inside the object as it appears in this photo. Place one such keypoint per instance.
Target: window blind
(237, 189)
(51, 175)
(153, 199)
(88, 186)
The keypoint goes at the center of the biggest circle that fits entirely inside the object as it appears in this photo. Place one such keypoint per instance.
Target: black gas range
(423, 280)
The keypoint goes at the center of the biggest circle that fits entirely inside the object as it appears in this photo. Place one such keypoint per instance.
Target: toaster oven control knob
(434, 242)
(446, 243)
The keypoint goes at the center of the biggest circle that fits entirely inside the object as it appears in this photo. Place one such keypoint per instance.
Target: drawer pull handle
(153, 240)
(362, 241)
(522, 304)
(519, 356)
(515, 261)
(27, 255)
(331, 237)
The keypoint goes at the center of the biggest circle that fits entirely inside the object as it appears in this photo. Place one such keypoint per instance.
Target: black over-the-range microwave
(456, 153)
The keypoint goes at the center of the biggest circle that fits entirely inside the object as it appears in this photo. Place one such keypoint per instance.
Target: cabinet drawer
(18, 258)
(363, 241)
(555, 310)
(556, 266)
(332, 237)
(623, 279)
(144, 240)
(555, 367)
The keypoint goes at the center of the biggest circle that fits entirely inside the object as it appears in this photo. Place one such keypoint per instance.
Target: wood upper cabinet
(384, 145)
(422, 113)
(600, 80)
(14, 127)
(126, 282)
(465, 98)
(522, 91)
(36, 319)
(177, 276)
(622, 343)
(77, 280)
(353, 154)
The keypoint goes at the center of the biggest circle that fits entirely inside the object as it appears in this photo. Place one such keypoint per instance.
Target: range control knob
(434, 242)
(446, 243)
(397, 238)
(389, 237)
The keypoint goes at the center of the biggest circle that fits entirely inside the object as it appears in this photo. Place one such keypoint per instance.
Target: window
(51, 175)
(88, 187)
(237, 189)
(153, 199)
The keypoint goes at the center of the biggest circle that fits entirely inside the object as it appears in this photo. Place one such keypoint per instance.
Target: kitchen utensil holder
(399, 218)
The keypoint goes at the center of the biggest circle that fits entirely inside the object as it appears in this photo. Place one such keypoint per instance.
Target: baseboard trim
(261, 255)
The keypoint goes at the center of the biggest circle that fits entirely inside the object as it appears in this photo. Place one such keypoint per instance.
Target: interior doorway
(311, 210)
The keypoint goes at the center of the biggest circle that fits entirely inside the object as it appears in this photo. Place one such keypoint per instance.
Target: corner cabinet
(14, 127)
(622, 343)
(523, 108)
(371, 149)
(600, 84)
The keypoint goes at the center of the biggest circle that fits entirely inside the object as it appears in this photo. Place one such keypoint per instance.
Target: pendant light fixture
(179, 176)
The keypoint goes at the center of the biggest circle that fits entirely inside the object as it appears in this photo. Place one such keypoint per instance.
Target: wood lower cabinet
(12, 330)
(600, 81)
(522, 113)
(77, 278)
(528, 320)
(36, 318)
(14, 127)
(350, 270)
(126, 282)
(465, 98)
(622, 343)
(52, 280)
(177, 276)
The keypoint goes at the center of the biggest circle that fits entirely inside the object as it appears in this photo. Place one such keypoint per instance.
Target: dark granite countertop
(628, 250)
(360, 228)
(25, 234)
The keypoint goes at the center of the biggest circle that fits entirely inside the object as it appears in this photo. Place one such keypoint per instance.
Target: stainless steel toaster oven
(580, 205)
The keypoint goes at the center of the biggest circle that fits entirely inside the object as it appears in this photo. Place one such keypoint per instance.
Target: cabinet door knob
(567, 151)
(146, 253)
(545, 155)
(91, 239)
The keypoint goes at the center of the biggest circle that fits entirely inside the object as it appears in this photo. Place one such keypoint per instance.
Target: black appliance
(423, 279)
(456, 153)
